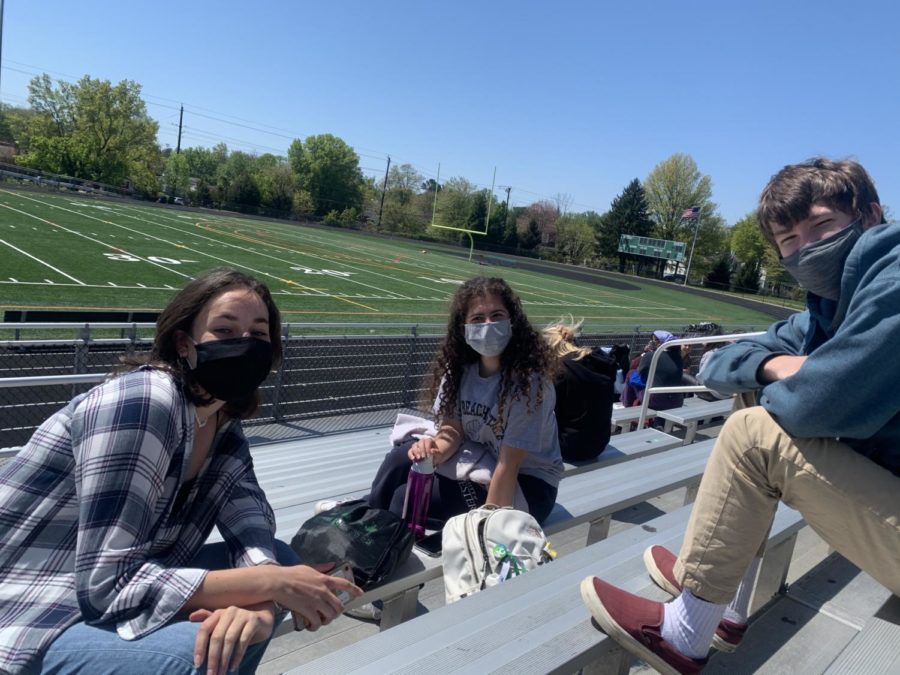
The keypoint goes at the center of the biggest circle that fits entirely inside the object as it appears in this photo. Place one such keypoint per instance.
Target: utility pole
(384, 190)
(508, 190)
(1, 40)
(180, 118)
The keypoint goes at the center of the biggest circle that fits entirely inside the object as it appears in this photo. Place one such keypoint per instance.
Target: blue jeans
(99, 650)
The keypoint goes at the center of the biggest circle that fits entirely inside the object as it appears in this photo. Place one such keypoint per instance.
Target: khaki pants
(851, 502)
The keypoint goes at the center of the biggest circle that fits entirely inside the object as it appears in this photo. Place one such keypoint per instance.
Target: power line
(261, 127)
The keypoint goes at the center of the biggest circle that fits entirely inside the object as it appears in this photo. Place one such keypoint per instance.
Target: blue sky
(564, 97)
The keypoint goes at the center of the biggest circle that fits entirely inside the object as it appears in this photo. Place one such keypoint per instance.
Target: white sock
(739, 607)
(689, 624)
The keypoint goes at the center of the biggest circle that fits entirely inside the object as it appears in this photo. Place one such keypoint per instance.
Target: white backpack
(489, 545)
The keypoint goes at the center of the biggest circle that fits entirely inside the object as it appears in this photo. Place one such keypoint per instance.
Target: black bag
(373, 541)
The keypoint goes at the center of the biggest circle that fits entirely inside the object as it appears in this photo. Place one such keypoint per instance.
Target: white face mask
(489, 339)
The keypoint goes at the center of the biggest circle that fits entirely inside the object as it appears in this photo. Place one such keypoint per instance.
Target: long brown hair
(526, 354)
(179, 315)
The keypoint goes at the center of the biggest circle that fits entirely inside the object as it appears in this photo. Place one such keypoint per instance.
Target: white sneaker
(328, 504)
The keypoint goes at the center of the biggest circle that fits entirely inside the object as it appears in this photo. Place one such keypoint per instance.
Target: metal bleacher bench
(537, 623)
(622, 418)
(295, 475)
(691, 415)
(876, 648)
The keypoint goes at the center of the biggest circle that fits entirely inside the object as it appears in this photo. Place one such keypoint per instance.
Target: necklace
(202, 423)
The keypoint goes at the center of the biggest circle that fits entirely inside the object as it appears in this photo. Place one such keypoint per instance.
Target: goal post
(466, 231)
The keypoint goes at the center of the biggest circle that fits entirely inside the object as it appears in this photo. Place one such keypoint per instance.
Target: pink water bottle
(418, 496)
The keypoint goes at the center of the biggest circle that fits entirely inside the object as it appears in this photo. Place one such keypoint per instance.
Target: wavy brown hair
(526, 354)
(179, 315)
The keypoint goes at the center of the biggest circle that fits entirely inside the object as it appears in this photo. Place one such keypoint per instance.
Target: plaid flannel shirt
(88, 525)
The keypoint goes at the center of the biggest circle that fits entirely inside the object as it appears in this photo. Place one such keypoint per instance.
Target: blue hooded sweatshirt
(849, 386)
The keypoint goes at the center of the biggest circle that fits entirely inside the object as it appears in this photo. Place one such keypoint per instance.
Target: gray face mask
(489, 339)
(819, 266)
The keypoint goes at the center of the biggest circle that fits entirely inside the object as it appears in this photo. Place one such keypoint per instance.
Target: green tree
(719, 276)
(455, 208)
(277, 185)
(404, 178)
(176, 175)
(574, 238)
(747, 241)
(511, 228)
(674, 185)
(203, 163)
(92, 130)
(530, 239)
(402, 209)
(302, 205)
(328, 169)
(498, 222)
(236, 184)
(747, 278)
(627, 214)
(430, 185)
(712, 239)
(13, 124)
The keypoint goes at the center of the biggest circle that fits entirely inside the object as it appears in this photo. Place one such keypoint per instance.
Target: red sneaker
(728, 635)
(660, 563)
(635, 623)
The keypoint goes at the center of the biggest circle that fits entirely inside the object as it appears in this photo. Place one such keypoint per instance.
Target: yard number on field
(127, 257)
(333, 273)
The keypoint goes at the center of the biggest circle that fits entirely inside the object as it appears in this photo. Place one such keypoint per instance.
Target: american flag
(691, 213)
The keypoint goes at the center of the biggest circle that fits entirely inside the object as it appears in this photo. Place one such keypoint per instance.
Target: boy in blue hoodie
(800, 437)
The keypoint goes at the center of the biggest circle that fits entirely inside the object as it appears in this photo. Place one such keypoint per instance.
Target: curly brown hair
(525, 356)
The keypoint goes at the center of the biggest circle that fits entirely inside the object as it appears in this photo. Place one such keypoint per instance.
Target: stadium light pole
(687, 272)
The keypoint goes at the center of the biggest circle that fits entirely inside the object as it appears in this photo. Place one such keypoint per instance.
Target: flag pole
(687, 272)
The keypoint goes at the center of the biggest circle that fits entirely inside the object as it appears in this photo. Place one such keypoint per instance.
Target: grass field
(61, 252)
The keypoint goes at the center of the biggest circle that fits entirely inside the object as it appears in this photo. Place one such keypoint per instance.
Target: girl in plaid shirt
(103, 513)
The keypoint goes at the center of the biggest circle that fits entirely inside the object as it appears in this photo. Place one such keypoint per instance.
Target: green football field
(67, 252)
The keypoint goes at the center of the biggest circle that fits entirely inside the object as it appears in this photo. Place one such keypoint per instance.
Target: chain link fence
(322, 375)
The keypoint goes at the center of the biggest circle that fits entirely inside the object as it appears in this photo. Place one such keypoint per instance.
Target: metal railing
(686, 388)
(322, 374)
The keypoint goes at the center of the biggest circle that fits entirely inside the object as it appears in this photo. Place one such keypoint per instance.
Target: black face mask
(231, 370)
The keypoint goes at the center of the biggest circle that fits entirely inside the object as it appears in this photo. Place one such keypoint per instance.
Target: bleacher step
(808, 629)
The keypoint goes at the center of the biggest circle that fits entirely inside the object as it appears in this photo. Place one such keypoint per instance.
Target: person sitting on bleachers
(803, 437)
(584, 392)
(105, 511)
(492, 386)
(668, 374)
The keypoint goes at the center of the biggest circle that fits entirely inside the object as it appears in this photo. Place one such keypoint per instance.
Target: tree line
(97, 131)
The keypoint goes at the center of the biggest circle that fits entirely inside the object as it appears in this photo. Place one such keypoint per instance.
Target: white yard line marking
(96, 241)
(337, 296)
(327, 259)
(42, 262)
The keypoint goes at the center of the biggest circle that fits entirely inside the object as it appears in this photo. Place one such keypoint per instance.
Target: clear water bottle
(418, 496)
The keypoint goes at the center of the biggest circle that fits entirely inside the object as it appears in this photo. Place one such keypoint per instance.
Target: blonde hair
(560, 337)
